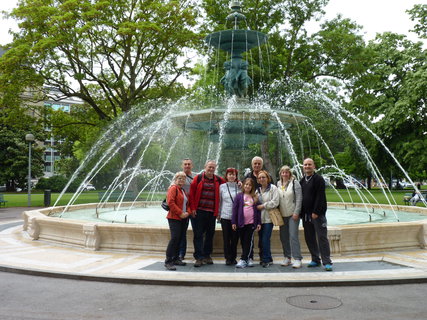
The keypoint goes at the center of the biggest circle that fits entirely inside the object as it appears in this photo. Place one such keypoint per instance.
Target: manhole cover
(314, 302)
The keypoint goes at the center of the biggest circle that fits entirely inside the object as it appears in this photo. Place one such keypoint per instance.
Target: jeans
(204, 230)
(316, 237)
(289, 238)
(177, 231)
(265, 236)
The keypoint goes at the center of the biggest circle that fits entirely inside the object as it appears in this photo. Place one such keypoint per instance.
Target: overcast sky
(376, 16)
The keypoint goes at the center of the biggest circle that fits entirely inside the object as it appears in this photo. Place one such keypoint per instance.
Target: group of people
(243, 208)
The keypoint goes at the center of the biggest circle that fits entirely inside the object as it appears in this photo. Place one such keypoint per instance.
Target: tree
(77, 130)
(283, 21)
(419, 13)
(391, 95)
(14, 125)
(111, 54)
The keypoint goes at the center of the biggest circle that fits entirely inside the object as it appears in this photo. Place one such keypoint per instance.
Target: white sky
(376, 16)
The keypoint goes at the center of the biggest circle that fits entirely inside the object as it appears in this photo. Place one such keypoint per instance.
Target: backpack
(200, 175)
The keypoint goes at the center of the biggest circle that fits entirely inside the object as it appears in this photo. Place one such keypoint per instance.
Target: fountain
(115, 222)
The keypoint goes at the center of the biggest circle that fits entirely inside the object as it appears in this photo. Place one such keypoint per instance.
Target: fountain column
(236, 41)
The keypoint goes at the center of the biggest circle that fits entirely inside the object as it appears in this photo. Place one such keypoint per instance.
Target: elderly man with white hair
(257, 165)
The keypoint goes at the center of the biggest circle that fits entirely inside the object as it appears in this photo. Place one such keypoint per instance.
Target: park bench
(2, 201)
(424, 195)
(115, 195)
(408, 196)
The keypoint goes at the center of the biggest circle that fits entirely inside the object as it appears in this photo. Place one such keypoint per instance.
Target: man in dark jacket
(313, 214)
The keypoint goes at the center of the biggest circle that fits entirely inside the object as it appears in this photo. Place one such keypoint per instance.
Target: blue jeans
(265, 236)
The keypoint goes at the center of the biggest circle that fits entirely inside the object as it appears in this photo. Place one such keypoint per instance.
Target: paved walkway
(20, 254)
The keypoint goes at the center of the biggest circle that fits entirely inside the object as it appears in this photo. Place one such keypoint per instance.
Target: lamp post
(30, 138)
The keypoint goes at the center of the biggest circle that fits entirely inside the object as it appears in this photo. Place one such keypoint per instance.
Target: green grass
(376, 195)
(37, 198)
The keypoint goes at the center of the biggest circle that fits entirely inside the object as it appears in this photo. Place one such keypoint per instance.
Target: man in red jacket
(204, 200)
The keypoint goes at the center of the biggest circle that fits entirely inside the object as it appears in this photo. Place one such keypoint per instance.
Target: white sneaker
(241, 264)
(286, 262)
(250, 263)
(297, 264)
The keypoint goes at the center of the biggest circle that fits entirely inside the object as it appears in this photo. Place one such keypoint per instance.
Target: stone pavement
(20, 254)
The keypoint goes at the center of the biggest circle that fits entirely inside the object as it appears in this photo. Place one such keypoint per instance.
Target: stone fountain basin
(344, 239)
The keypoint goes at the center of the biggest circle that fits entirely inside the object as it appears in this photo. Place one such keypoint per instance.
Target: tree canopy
(14, 125)
(110, 54)
(391, 96)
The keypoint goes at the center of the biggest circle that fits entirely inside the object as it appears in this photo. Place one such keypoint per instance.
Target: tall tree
(15, 123)
(110, 54)
(392, 95)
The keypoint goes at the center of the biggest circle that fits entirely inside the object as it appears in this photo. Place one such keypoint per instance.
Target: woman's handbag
(276, 217)
(165, 205)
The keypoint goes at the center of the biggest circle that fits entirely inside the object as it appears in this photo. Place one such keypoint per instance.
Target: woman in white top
(227, 193)
(268, 196)
(290, 207)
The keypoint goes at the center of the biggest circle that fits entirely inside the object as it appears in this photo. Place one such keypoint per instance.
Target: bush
(56, 184)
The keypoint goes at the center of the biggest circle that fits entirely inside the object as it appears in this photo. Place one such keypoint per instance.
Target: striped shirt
(207, 198)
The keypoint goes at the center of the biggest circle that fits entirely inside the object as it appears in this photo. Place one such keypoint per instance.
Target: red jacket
(196, 188)
(175, 200)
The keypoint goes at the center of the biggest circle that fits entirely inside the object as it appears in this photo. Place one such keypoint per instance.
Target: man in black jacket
(313, 214)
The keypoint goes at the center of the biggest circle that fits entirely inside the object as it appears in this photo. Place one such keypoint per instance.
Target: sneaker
(286, 262)
(198, 263)
(266, 264)
(170, 266)
(328, 267)
(179, 262)
(250, 263)
(297, 264)
(207, 260)
(241, 264)
(313, 264)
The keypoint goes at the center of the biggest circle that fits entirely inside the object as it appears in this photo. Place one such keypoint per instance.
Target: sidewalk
(19, 254)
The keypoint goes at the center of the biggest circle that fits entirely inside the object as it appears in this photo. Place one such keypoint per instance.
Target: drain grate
(314, 302)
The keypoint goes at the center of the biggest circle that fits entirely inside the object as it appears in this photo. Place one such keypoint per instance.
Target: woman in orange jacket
(179, 211)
